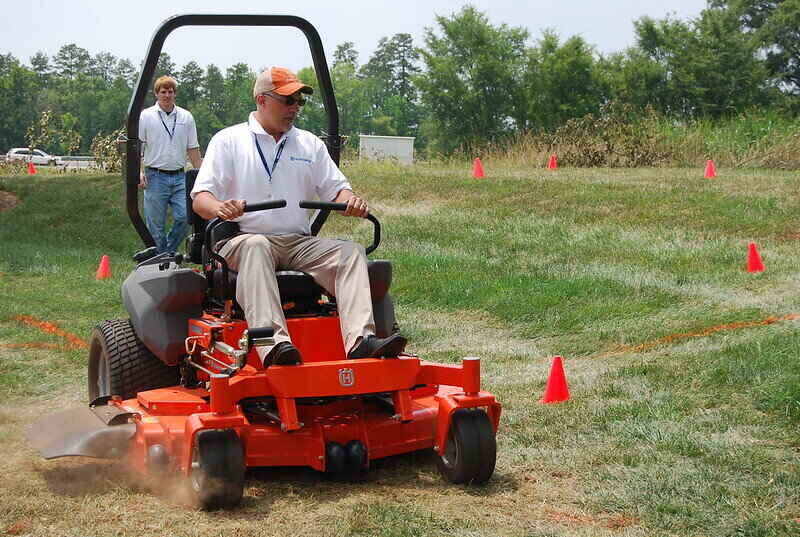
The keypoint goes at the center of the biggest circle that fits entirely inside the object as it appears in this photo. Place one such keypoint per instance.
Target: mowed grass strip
(697, 436)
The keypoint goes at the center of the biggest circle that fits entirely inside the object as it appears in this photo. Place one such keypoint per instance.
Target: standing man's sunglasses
(289, 100)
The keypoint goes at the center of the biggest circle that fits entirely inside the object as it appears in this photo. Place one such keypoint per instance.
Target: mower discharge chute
(179, 387)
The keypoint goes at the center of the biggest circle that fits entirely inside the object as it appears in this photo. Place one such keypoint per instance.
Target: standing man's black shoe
(284, 353)
(375, 347)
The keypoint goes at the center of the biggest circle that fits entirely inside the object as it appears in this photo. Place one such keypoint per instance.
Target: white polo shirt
(167, 137)
(233, 169)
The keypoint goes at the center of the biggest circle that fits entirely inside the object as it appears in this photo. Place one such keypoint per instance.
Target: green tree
(345, 53)
(633, 77)
(389, 86)
(69, 138)
(239, 80)
(190, 80)
(312, 116)
(350, 99)
(712, 68)
(775, 26)
(207, 123)
(562, 81)
(164, 66)
(41, 66)
(18, 93)
(213, 93)
(472, 80)
(71, 60)
(103, 66)
(41, 132)
(126, 72)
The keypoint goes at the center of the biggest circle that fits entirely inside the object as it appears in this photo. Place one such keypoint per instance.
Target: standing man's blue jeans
(165, 190)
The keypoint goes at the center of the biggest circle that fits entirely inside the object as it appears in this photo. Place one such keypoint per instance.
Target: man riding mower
(181, 387)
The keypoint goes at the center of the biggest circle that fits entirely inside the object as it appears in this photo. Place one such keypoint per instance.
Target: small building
(400, 148)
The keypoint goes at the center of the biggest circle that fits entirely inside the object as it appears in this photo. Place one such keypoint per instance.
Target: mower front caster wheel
(216, 478)
(471, 451)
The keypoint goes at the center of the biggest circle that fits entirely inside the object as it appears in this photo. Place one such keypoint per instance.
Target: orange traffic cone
(31, 169)
(557, 389)
(552, 164)
(104, 269)
(754, 263)
(477, 169)
(711, 170)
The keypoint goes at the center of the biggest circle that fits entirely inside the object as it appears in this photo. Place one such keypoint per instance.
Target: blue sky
(103, 25)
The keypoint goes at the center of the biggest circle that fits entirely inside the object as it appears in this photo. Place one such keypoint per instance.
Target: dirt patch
(19, 527)
(7, 200)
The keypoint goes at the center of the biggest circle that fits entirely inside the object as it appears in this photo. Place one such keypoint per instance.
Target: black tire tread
(473, 432)
(222, 461)
(132, 367)
(487, 446)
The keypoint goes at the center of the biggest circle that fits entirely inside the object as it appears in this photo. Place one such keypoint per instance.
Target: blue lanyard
(174, 124)
(264, 161)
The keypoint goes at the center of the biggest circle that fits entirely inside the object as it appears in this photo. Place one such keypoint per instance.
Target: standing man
(268, 158)
(169, 134)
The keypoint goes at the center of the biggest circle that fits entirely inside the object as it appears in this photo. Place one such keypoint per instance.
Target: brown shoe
(375, 347)
(284, 353)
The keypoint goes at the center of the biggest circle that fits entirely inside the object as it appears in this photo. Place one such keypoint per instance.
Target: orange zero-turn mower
(178, 388)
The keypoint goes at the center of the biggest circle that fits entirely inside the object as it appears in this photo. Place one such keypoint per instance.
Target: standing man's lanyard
(174, 123)
(277, 156)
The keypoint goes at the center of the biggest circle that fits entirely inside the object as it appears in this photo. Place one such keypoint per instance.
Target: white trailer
(400, 148)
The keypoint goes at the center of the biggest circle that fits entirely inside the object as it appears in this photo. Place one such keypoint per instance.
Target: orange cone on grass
(711, 170)
(552, 163)
(754, 263)
(477, 169)
(104, 269)
(31, 169)
(557, 389)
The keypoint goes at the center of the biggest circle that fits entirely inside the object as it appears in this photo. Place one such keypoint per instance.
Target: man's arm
(194, 157)
(142, 143)
(355, 205)
(208, 206)
(142, 176)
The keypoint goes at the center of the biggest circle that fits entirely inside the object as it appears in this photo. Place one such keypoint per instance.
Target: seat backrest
(194, 243)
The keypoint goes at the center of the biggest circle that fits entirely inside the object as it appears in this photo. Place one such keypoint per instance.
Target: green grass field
(682, 422)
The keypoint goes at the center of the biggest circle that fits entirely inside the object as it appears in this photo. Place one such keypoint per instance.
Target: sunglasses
(290, 100)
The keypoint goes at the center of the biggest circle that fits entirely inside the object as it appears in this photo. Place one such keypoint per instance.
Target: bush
(106, 152)
(620, 136)
(13, 167)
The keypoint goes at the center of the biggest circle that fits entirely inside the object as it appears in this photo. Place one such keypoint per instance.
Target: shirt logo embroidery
(300, 159)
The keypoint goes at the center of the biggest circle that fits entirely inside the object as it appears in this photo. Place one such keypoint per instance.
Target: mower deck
(407, 408)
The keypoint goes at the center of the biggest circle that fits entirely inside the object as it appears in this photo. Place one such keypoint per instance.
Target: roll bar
(132, 143)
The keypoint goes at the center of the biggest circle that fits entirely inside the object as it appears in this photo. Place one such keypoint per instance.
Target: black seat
(300, 294)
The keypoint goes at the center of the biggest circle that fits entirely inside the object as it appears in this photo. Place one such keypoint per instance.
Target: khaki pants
(340, 267)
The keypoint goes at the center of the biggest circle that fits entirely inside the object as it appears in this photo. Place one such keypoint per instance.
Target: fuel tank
(160, 300)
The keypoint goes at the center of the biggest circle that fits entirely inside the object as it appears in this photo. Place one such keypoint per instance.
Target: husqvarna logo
(347, 377)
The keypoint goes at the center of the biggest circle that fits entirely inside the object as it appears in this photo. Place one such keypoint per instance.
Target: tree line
(469, 83)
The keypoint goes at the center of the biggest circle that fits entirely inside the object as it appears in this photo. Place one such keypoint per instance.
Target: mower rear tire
(471, 450)
(217, 474)
(120, 364)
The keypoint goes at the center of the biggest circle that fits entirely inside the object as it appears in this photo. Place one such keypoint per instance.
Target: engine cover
(160, 302)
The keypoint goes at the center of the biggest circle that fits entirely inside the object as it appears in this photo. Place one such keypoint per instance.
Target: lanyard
(264, 161)
(174, 124)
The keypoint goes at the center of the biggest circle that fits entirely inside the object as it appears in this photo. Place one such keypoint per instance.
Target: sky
(125, 28)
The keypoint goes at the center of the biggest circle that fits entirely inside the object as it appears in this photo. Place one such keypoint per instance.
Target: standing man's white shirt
(167, 137)
(303, 170)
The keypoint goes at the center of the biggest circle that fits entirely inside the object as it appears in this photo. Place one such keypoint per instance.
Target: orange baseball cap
(279, 80)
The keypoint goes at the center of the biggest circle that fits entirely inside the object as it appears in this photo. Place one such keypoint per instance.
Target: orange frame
(423, 395)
